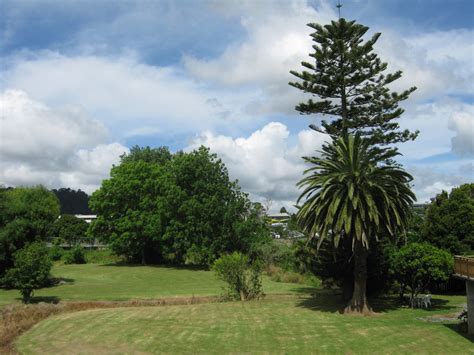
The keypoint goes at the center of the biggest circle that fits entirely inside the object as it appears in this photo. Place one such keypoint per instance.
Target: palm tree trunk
(358, 303)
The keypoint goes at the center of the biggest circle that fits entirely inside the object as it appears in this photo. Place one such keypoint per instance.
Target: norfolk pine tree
(348, 80)
(351, 88)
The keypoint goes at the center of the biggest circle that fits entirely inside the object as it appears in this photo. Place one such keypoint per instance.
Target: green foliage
(334, 265)
(350, 192)
(449, 222)
(416, 265)
(75, 256)
(274, 253)
(160, 155)
(31, 269)
(243, 278)
(183, 211)
(349, 80)
(26, 216)
(55, 252)
(69, 229)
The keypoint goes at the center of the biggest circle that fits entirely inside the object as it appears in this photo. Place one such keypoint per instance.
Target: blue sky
(83, 81)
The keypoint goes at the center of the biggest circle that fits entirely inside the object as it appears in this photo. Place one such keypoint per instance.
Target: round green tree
(416, 265)
(31, 270)
(26, 215)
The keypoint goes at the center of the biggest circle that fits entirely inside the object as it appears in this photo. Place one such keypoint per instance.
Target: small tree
(26, 215)
(75, 256)
(416, 265)
(243, 278)
(32, 266)
(70, 229)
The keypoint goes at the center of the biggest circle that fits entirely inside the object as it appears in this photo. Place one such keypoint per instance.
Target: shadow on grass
(58, 281)
(305, 290)
(331, 301)
(456, 328)
(43, 299)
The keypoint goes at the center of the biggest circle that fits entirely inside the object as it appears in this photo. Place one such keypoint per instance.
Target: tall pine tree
(349, 81)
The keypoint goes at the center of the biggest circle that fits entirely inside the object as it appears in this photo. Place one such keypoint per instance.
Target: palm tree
(352, 191)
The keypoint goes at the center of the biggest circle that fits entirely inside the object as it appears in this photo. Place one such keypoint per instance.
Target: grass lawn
(109, 282)
(293, 324)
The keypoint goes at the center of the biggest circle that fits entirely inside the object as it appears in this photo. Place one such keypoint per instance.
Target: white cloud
(445, 125)
(56, 148)
(277, 41)
(32, 131)
(265, 163)
(438, 63)
(428, 182)
(463, 124)
(123, 93)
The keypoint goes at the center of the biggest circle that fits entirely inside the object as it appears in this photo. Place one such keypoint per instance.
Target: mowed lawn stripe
(116, 283)
(272, 325)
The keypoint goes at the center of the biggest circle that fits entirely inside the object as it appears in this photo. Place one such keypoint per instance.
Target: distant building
(279, 217)
(86, 217)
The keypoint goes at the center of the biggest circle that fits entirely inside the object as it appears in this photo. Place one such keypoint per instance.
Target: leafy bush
(26, 214)
(278, 274)
(55, 252)
(274, 253)
(416, 265)
(243, 278)
(69, 229)
(75, 256)
(31, 268)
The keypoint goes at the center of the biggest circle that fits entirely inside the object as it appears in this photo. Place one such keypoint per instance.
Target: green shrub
(75, 256)
(243, 278)
(278, 274)
(31, 269)
(275, 253)
(55, 252)
(415, 266)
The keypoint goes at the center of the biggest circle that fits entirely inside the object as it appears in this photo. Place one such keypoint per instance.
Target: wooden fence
(464, 266)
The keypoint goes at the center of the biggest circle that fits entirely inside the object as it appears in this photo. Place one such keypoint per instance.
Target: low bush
(55, 252)
(243, 278)
(75, 256)
(278, 274)
(102, 256)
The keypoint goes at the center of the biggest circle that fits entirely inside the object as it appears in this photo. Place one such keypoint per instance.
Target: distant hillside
(72, 201)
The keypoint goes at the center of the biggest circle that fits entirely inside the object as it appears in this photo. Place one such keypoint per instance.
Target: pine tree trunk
(358, 303)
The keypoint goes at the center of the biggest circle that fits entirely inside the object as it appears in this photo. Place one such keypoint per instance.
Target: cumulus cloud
(41, 145)
(277, 41)
(428, 182)
(123, 93)
(445, 125)
(266, 163)
(32, 132)
(463, 124)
